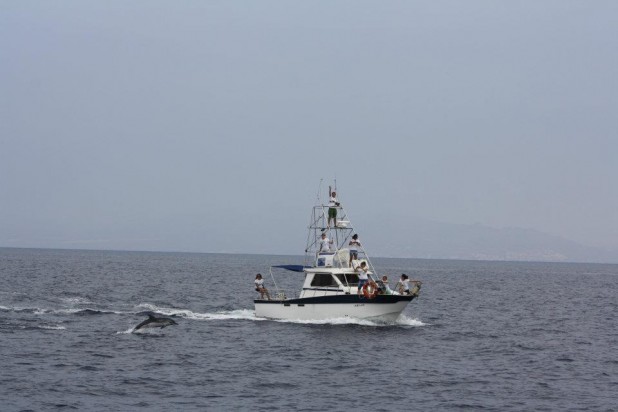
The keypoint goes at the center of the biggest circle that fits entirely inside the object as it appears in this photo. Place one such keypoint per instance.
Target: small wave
(144, 331)
(38, 311)
(85, 312)
(51, 327)
(62, 311)
(77, 301)
(74, 311)
(19, 309)
(34, 327)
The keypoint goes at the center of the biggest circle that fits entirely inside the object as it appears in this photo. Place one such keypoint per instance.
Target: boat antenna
(317, 200)
(313, 222)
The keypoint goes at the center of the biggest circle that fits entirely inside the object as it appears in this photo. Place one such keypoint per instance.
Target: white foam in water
(186, 313)
(243, 314)
(51, 327)
(18, 308)
(64, 311)
(41, 311)
(75, 310)
(401, 321)
(76, 301)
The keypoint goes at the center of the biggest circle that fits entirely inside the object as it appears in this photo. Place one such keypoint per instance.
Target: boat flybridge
(330, 289)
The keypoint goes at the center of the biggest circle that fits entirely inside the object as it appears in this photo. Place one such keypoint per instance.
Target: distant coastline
(477, 258)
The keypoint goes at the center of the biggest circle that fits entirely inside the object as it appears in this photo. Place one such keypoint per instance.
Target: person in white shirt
(324, 244)
(384, 287)
(404, 285)
(259, 287)
(363, 276)
(354, 247)
(332, 207)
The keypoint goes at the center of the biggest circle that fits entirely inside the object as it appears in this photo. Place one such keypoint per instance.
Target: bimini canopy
(293, 268)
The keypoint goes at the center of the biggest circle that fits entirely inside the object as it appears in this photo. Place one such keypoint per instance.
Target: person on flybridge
(324, 243)
(354, 247)
(333, 204)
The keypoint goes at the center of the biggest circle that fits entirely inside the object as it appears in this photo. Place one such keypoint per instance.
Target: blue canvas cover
(293, 268)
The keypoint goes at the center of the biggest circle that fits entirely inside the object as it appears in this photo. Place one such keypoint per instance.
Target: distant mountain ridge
(440, 240)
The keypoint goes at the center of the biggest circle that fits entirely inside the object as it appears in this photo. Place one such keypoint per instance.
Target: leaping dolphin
(154, 322)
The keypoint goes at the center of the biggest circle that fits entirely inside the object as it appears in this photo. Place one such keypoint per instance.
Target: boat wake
(248, 314)
(60, 311)
(239, 314)
(223, 315)
(401, 321)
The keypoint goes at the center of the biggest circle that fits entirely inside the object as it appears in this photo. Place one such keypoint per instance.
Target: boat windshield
(348, 278)
(324, 280)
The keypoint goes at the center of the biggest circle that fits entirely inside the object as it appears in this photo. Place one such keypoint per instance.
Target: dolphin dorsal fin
(151, 316)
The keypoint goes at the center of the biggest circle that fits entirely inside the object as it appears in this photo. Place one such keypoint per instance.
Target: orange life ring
(370, 289)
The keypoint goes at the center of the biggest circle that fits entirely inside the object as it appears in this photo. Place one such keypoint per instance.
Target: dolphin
(154, 322)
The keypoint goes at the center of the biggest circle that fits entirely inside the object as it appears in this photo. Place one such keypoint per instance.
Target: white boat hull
(296, 309)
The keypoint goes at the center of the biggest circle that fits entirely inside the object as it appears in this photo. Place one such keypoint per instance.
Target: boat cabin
(325, 282)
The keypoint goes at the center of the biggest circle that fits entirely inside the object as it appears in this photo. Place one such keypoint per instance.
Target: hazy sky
(207, 125)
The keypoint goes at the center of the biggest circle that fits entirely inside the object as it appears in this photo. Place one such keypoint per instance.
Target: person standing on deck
(404, 285)
(333, 204)
(354, 248)
(363, 276)
(385, 288)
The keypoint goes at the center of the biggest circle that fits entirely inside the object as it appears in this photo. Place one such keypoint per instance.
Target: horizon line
(269, 254)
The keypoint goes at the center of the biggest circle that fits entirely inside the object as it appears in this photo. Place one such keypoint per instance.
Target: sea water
(497, 336)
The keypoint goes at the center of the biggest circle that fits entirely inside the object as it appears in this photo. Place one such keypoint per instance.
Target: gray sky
(206, 126)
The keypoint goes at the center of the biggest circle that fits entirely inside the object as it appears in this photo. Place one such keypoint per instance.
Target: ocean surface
(495, 336)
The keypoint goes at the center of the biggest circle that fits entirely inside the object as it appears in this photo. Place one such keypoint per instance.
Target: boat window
(323, 279)
(348, 278)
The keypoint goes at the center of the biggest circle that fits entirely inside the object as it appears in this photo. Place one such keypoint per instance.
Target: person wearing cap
(259, 287)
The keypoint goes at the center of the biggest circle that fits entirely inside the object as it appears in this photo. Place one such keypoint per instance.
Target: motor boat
(331, 277)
